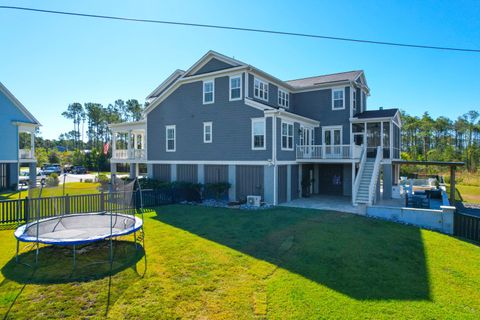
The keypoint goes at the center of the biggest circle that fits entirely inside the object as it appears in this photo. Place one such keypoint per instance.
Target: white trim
(208, 57)
(174, 76)
(258, 120)
(292, 116)
(288, 123)
(174, 127)
(205, 125)
(180, 81)
(326, 86)
(325, 128)
(265, 90)
(342, 89)
(9, 161)
(258, 105)
(225, 162)
(212, 81)
(246, 75)
(239, 76)
(18, 104)
(286, 98)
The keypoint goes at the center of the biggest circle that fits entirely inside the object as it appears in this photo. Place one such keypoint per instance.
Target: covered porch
(129, 141)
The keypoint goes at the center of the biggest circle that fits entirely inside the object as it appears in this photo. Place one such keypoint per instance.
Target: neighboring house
(17, 132)
(225, 120)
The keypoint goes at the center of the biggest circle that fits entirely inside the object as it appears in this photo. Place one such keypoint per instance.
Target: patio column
(32, 145)
(129, 143)
(114, 143)
(289, 182)
(300, 171)
(232, 179)
(452, 185)
(32, 173)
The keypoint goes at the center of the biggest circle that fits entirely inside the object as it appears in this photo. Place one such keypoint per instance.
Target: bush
(218, 190)
(88, 180)
(52, 180)
(103, 179)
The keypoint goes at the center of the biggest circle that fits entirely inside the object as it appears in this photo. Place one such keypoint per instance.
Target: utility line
(224, 27)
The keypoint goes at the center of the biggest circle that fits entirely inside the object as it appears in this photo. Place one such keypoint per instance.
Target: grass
(470, 193)
(283, 263)
(71, 188)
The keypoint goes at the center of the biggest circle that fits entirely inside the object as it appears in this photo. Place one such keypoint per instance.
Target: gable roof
(165, 84)
(209, 56)
(324, 79)
(381, 113)
(18, 104)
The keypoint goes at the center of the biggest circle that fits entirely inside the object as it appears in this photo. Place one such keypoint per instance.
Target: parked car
(79, 170)
(24, 178)
(52, 169)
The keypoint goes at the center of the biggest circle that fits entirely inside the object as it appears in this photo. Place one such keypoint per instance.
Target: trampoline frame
(21, 236)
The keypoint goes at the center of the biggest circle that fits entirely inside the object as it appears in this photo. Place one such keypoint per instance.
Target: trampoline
(77, 229)
(56, 225)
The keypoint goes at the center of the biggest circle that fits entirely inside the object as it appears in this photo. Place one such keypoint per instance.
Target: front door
(332, 138)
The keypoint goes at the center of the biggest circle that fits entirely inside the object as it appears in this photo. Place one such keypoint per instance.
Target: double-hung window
(260, 89)
(207, 132)
(283, 98)
(235, 88)
(287, 136)
(338, 99)
(258, 134)
(170, 136)
(208, 91)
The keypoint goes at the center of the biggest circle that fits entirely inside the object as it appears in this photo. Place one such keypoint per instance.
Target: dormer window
(208, 91)
(338, 99)
(283, 98)
(260, 89)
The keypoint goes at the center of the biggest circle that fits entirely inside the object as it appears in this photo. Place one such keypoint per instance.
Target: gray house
(225, 120)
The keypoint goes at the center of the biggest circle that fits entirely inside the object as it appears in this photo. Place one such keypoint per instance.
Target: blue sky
(50, 61)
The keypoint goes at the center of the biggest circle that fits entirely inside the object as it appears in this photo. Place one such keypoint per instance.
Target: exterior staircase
(365, 179)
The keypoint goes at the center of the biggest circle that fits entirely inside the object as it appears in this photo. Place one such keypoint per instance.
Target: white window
(287, 136)
(235, 88)
(338, 99)
(354, 99)
(260, 89)
(283, 98)
(207, 132)
(170, 136)
(208, 91)
(258, 134)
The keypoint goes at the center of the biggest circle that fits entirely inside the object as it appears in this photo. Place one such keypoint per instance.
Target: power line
(211, 26)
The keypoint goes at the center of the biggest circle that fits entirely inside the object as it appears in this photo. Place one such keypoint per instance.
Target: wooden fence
(467, 226)
(24, 210)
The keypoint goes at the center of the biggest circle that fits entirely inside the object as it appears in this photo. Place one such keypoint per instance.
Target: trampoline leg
(135, 239)
(36, 253)
(18, 248)
(74, 257)
(111, 250)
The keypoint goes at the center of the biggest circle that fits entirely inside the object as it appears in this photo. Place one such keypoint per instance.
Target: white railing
(26, 154)
(358, 178)
(346, 151)
(376, 171)
(134, 154)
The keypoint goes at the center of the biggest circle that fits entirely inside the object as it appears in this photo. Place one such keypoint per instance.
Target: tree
(75, 112)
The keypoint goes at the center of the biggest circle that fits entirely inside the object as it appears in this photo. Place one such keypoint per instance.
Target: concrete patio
(324, 202)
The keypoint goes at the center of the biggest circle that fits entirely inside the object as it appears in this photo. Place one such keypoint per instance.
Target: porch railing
(129, 154)
(26, 154)
(347, 151)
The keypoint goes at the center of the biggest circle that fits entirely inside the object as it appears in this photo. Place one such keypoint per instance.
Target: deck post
(452, 185)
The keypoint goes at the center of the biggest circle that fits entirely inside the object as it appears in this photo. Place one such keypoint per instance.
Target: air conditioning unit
(254, 201)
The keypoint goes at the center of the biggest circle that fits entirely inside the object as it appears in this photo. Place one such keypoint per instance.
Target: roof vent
(381, 108)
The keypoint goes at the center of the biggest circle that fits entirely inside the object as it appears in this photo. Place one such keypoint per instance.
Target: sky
(49, 61)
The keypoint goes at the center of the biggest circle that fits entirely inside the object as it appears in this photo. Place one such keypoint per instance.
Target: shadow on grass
(55, 264)
(363, 258)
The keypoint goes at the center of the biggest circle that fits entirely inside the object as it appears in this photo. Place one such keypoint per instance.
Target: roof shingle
(328, 78)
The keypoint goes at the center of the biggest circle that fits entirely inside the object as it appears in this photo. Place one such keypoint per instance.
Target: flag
(106, 146)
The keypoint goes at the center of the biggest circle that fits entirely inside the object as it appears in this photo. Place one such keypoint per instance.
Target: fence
(23, 210)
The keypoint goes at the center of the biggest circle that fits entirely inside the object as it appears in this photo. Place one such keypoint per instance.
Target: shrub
(103, 179)
(52, 180)
(217, 190)
(88, 181)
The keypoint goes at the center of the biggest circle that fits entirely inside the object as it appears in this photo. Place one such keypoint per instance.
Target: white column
(129, 143)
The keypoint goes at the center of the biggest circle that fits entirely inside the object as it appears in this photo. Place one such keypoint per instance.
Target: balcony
(26, 154)
(328, 153)
(133, 154)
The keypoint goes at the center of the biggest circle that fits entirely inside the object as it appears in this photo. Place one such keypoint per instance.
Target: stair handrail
(358, 178)
(375, 173)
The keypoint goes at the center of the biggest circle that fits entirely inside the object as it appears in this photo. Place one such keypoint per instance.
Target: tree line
(442, 139)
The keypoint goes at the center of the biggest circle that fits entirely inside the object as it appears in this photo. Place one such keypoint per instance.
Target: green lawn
(283, 263)
(470, 193)
(71, 188)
